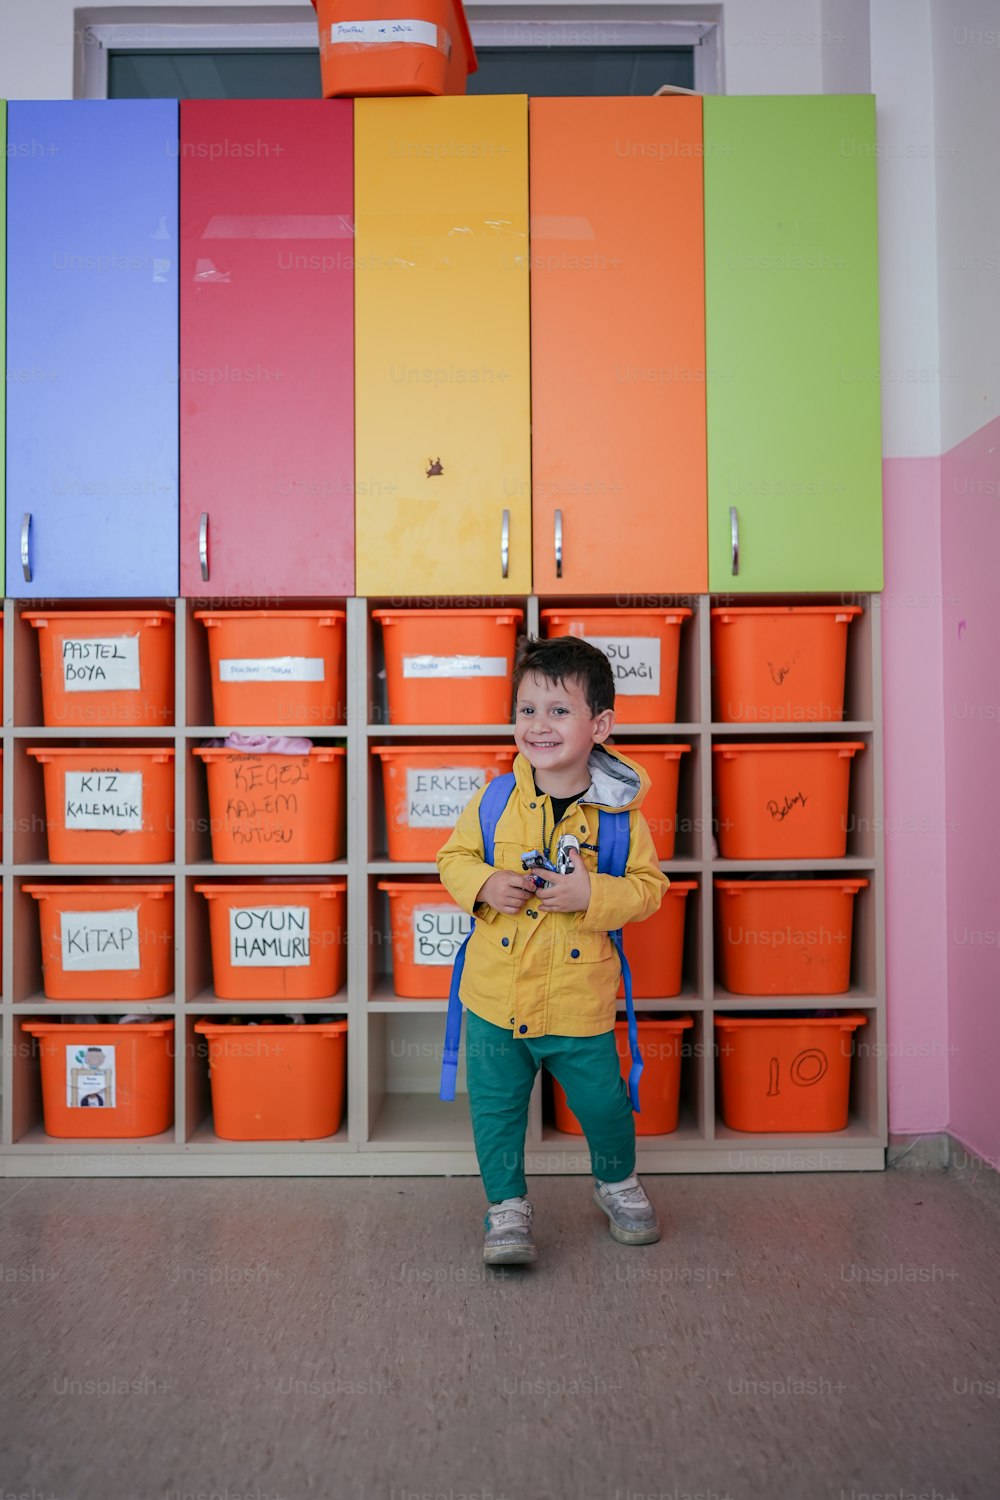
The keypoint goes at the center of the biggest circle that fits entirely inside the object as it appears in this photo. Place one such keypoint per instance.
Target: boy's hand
(567, 892)
(507, 891)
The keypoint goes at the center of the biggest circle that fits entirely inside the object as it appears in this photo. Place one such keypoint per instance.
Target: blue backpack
(612, 858)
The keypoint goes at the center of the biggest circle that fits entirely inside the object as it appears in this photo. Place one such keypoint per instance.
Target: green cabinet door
(792, 356)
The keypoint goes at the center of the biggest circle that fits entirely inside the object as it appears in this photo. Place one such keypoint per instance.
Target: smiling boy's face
(555, 730)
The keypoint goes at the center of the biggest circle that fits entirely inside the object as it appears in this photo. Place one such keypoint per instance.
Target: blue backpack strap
(613, 837)
(495, 798)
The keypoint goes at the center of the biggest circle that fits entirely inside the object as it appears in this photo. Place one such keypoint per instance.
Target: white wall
(965, 37)
(902, 82)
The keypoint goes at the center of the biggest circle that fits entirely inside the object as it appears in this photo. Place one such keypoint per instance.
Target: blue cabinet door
(92, 348)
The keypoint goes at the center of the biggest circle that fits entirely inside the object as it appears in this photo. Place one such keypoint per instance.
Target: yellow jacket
(552, 973)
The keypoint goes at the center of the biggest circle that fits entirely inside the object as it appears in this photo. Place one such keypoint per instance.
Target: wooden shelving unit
(394, 1123)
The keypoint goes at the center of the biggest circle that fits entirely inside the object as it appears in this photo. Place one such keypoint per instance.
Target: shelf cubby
(394, 1121)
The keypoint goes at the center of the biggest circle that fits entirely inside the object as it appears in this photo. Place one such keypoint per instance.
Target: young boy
(541, 973)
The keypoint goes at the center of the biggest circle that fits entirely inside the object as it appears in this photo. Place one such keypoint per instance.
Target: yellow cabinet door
(442, 396)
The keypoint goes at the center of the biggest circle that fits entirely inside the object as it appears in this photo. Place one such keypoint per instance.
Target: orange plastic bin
(449, 666)
(774, 663)
(786, 937)
(426, 788)
(109, 805)
(643, 646)
(655, 948)
(286, 809)
(660, 1043)
(276, 1083)
(783, 801)
(106, 942)
(277, 941)
(662, 764)
(393, 47)
(789, 1073)
(106, 666)
(275, 667)
(104, 1081)
(427, 931)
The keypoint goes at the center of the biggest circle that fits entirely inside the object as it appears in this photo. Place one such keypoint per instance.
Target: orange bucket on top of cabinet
(105, 1081)
(274, 667)
(643, 646)
(789, 1073)
(105, 666)
(274, 1082)
(662, 764)
(285, 809)
(106, 942)
(655, 948)
(776, 800)
(369, 47)
(778, 662)
(277, 941)
(426, 788)
(427, 931)
(660, 1043)
(786, 937)
(449, 666)
(109, 805)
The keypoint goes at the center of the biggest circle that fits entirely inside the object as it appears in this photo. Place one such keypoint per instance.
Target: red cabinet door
(267, 348)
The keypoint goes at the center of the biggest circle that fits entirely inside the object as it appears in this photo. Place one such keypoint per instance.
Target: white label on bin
(93, 940)
(101, 664)
(635, 662)
(269, 937)
(272, 669)
(436, 797)
(422, 33)
(438, 933)
(104, 799)
(454, 666)
(90, 1075)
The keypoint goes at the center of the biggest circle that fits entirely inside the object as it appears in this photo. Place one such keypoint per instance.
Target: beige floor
(792, 1336)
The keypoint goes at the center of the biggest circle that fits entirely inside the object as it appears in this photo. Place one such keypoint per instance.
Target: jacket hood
(616, 783)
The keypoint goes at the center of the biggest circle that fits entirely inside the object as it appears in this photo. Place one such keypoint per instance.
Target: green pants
(501, 1071)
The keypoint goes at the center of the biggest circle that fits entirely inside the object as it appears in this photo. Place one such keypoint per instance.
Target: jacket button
(505, 942)
(574, 953)
(584, 828)
(522, 1029)
(532, 804)
(531, 914)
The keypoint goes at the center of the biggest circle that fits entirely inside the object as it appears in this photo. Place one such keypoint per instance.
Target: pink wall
(915, 842)
(970, 550)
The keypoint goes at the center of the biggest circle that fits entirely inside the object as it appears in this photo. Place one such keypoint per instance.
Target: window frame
(552, 27)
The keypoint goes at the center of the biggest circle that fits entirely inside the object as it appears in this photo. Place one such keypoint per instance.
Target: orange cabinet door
(618, 346)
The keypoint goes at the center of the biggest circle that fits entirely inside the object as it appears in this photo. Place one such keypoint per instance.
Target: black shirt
(560, 804)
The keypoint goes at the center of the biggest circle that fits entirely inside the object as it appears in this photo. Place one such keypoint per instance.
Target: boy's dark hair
(567, 658)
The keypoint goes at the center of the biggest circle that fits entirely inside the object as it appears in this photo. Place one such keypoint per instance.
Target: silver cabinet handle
(558, 540)
(25, 548)
(734, 533)
(505, 544)
(203, 545)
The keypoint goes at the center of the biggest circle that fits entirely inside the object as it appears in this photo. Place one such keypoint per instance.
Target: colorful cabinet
(617, 346)
(442, 412)
(266, 366)
(791, 302)
(92, 347)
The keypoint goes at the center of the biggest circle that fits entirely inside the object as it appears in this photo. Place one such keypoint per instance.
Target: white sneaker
(633, 1217)
(508, 1239)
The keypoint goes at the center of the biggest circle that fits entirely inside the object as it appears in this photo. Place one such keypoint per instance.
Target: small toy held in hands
(535, 860)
